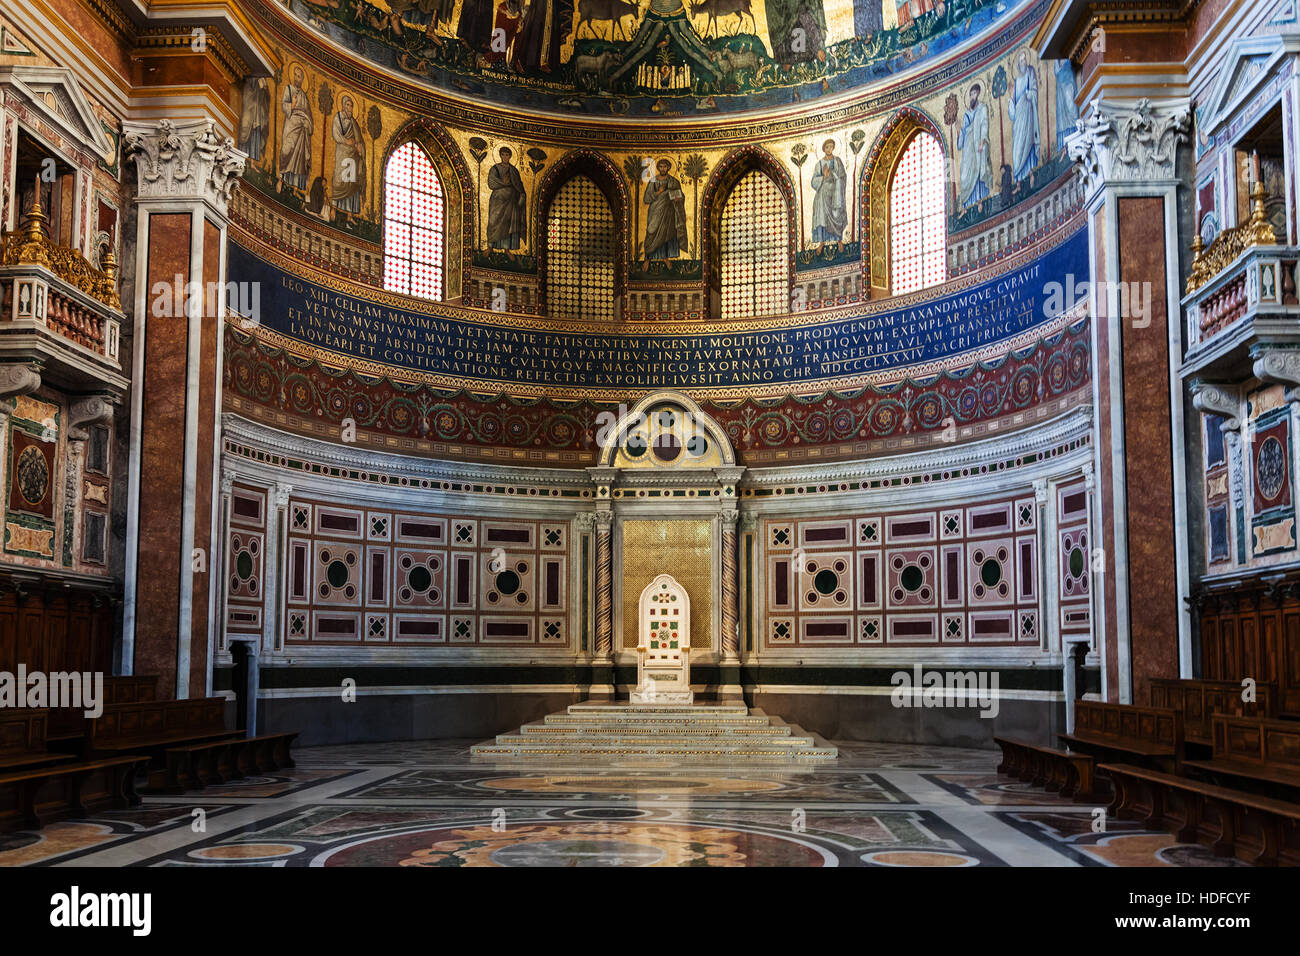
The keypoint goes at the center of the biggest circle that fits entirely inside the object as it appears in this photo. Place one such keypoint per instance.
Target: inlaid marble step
(605, 728)
(739, 750)
(576, 746)
(685, 720)
(705, 710)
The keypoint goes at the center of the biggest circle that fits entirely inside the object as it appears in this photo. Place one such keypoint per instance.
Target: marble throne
(663, 669)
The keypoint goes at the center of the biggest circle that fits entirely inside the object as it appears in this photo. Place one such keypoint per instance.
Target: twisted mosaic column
(730, 638)
(604, 585)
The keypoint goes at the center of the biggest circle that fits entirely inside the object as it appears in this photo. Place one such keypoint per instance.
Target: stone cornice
(968, 455)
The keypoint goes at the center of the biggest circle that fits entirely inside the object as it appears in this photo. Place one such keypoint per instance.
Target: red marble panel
(162, 393)
(1153, 612)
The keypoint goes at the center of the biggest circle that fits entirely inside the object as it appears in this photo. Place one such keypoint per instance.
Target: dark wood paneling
(1253, 630)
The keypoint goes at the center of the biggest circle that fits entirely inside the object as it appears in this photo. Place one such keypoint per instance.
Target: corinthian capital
(1132, 144)
(183, 160)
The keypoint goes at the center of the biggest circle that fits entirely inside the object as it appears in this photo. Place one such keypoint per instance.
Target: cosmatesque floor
(427, 804)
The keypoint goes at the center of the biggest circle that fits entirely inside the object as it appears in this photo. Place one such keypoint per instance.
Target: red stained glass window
(414, 219)
(918, 239)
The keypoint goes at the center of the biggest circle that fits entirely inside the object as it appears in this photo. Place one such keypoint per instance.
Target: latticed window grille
(581, 243)
(754, 249)
(414, 222)
(918, 240)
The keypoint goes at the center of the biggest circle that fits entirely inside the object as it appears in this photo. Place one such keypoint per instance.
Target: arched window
(754, 249)
(917, 238)
(581, 246)
(414, 218)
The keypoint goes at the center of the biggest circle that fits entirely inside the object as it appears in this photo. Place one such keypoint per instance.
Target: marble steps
(738, 710)
(727, 732)
(611, 728)
(659, 738)
(620, 751)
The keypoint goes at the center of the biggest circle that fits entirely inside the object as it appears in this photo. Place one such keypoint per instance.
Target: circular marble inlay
(578, 853)
(244, 565)
(507, 582)
(991, 573)
(33, 475)
(1270, 467)
(1076, 562)
(608, 813)
(578, 843)
(419, 578)
(918, 858)
(246, 851)
(337, 574)
(911, 578)
(826, 581)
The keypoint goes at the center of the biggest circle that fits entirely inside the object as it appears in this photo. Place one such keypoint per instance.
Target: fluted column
(604, 585)
(730, 590)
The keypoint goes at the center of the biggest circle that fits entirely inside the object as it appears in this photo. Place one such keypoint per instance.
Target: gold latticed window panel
(581, 241)
(754, 249)
(683, 549)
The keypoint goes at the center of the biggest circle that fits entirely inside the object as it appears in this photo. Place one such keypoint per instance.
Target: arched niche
(873, 191)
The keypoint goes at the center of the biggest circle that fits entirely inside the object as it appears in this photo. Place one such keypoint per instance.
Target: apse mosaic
(950, 576)
(651, 58)
(318, 131)
(381, 577)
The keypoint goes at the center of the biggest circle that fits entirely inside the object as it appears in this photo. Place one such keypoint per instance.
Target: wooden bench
(69, 723)
(1200, 700)
(1066, 772)
(22, 739)
(152, 728)
(1153, 735)
(1262, 753)
(33, 797)
(1258, 829)
(195, 766)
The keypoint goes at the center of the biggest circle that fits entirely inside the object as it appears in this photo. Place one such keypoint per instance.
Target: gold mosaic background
(683, 549)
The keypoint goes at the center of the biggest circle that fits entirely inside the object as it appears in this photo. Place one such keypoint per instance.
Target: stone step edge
(498, 750)
(753, 730)
(514, 739)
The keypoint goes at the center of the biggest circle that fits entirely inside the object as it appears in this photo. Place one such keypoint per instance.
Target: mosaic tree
(478, 148)
(694, 169)
(798, 156)
(375, 127)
